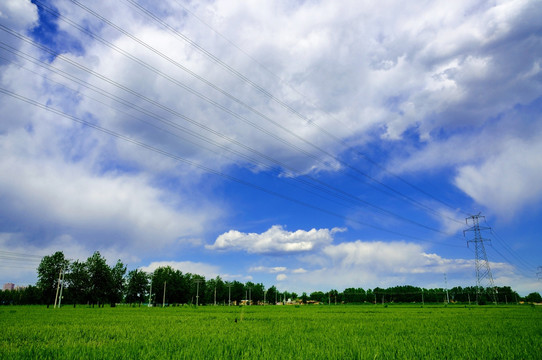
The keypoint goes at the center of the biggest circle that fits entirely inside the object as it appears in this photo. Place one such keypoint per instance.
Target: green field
(272, 332)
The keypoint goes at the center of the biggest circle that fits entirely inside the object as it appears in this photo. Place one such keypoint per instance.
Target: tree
(176, 285)
(136, 286)
(215, 289)
(117, 283)
(352, 295)
(533, 297)
(48, 274)
(221, 290)
(505, 294)
(257, 293)
(254, 292)
(272, 295)
(237, 291)
(78, 282)
(100, 278)
(318, 296)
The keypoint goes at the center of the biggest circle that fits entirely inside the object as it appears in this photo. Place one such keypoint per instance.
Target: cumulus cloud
(506, 182)
(498, 166)
(44, 192)
(267, 269)
(275, 240)
(369, 264)
(18, 14)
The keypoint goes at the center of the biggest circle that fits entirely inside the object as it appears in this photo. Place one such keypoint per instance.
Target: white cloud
(508, 181)
(18, 14)
(266, 269)
(47, 192)
(281, 277)
(276, 240)
(376, 263)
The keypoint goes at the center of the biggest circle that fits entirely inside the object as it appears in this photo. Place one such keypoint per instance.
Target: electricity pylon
(483, 272)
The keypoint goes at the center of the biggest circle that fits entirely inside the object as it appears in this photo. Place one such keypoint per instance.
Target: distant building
(8, 286)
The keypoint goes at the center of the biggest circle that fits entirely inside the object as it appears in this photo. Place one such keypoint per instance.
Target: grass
(272, 332)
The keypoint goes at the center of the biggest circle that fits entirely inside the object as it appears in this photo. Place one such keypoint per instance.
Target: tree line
(94, 282)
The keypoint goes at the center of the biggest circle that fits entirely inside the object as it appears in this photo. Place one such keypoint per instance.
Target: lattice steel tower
(484, 279)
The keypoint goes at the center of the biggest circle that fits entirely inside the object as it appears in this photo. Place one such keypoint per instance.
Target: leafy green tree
(254, 292)
(176, 286)
(137, 285)
(48, 274)
(215, 289)
(533, 297)
(221, 290)
(100, 278)
(352, 295)
(237, 291)
(505, 294)
(370, 296)
(78, 282)
(28, 296)
(272, 295)
(117, 283)
(318, 296)
(333, 296)
(257, 293)
(304, 297)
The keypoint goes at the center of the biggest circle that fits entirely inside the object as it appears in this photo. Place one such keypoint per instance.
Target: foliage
(533, 297)
(136, 286)
(49, 272)
(93, 281)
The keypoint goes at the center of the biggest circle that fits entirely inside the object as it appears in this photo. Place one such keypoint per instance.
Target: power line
(511, 251)
(204, 168)
(289, 108)
(29, 257)
(334, 191)
(225, 93)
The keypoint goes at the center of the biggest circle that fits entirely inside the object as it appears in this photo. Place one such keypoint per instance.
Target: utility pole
(249, 295)
(150, 295)
(164, 297)
(229, 293)
(446, 284)
(215, 294)
(483, 272)
(539, 273)
(57, 287)
(61, 288)
(197, 281)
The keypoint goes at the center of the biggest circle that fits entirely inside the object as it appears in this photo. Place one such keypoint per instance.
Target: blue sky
(309, 145)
